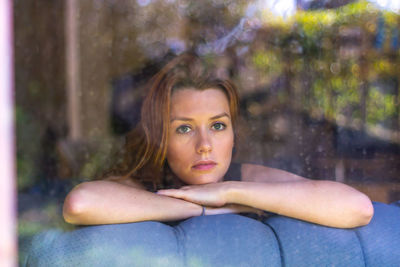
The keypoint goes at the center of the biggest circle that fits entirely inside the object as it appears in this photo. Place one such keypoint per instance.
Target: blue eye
(183, 129)
(219, 126)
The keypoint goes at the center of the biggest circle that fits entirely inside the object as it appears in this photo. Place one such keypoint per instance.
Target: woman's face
(201, 136)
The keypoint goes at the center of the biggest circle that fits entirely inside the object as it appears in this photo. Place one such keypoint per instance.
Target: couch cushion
(381, 238)
(307, 244)
(221, 240)
(224, 240)
(134, 244)
(228, 240)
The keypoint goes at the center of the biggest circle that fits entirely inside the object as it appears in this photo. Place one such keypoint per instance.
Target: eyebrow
(190, 119)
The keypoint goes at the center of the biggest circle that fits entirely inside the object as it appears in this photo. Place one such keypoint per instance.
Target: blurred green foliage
(335, 57)
(383, 105)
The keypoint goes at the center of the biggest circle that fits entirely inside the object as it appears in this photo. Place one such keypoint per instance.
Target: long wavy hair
(146, 146)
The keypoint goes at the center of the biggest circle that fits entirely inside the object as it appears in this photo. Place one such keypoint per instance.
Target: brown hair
(146, 146)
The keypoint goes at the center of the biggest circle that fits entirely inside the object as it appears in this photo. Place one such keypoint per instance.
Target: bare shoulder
(259, 173)
(126, 181)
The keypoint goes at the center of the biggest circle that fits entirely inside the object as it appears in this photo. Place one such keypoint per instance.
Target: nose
(203, 143)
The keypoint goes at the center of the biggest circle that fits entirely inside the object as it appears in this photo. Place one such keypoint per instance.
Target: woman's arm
(108, 202)
(322, 202)
(334, 204)
(119, 200)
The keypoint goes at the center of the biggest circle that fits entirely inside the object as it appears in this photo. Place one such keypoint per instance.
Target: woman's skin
(199, 152)
(201, 137)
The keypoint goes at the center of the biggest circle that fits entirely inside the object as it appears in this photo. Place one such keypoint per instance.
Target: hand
(212, 195)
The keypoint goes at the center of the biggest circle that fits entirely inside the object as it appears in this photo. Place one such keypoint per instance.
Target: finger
(170, 193)
(185, 187)
(190, 187)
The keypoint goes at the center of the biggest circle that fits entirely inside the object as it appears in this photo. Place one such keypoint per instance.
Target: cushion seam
(279, 243)
(178, 231)
(361, 246)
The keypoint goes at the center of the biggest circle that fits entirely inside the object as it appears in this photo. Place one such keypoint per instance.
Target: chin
(204, 179)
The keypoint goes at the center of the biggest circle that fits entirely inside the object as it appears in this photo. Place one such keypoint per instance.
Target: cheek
(225, 145)
(225, 139)
(177, 153)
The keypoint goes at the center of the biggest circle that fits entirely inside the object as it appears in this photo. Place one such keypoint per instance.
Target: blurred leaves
(383, 106)
(268, 61)
(341, 52)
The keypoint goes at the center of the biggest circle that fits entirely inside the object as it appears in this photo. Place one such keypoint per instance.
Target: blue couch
(224, 240)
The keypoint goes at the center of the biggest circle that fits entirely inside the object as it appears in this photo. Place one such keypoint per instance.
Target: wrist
(232, 188)
(192, 209)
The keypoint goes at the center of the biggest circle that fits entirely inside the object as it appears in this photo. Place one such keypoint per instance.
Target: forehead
(192, 102)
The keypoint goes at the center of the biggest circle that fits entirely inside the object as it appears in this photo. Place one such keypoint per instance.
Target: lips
(204, 165)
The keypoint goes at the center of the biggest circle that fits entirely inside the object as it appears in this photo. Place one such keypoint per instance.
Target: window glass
(318, 81)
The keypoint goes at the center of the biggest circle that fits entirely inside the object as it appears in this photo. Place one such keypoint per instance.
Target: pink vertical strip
(8, 245)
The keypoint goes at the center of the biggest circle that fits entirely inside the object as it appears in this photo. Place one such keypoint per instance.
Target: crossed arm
(322, 202)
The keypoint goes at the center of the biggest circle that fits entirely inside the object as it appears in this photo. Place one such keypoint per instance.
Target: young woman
(178, 165)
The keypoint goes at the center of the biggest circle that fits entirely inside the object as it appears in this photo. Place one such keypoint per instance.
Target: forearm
(106, 202)
(322, 202)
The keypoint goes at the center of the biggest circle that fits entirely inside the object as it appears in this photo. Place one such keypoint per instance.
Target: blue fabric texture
(381, 239)
(305, 244)
(224, 240)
